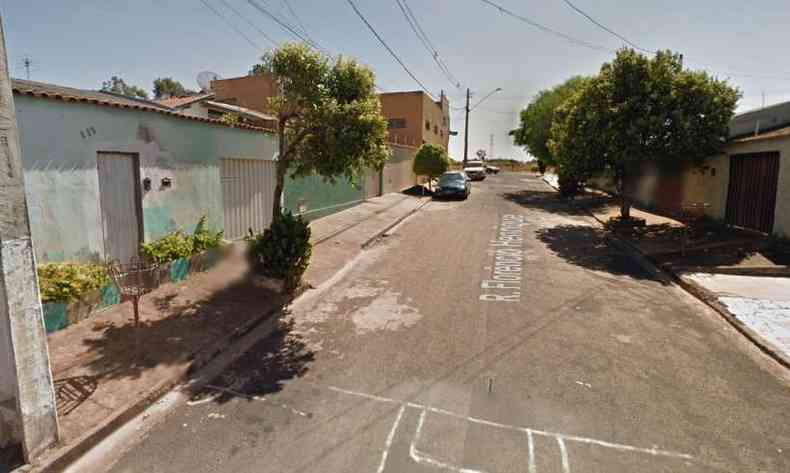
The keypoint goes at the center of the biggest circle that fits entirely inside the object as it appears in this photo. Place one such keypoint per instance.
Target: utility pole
(466, 129)
(25, 374)
(491, 146)
(27, 62)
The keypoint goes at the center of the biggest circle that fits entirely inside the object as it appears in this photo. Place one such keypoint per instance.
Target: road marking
(504, 284)
(390, 438)
(566, 467)
(544, 433)
(532, 467)
(422, 458)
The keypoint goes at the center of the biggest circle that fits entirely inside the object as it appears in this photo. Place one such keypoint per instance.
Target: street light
(466, 128)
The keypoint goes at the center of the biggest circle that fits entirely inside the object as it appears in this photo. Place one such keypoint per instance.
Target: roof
(241, 110)
(69, 94)
(780, 133)
(177, 102)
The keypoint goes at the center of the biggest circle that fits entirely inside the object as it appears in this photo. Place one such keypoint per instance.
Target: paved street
(498, 334)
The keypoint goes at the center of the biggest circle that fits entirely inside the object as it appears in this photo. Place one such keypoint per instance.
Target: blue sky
(80, 43)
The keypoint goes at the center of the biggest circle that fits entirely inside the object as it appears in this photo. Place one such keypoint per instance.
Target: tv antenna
(205, 78)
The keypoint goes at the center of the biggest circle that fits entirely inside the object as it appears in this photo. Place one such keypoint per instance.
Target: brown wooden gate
(751, 198)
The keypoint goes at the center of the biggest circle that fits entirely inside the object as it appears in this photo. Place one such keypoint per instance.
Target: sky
(81, 43)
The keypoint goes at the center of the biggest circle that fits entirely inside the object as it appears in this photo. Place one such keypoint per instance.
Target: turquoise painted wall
(319, 197)
(60, 141)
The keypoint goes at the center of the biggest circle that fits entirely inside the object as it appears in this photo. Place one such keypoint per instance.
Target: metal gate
(247, 195)
(119, 194)
(751, 198)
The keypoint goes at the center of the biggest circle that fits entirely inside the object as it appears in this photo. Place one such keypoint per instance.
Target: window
(396, 123)
(427, 125)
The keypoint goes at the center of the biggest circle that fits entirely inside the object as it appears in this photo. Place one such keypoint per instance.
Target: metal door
(119, 193)
(751, 197)
(247, 195)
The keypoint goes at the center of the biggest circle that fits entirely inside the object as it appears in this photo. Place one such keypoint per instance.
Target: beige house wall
(702, 184)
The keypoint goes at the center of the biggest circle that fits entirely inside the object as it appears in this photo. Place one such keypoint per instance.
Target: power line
(386, 46)
(226, 20)
(249, 22)
(296, 17)
(420, 33)
(547, 29)
(290, 29)
(605, 28)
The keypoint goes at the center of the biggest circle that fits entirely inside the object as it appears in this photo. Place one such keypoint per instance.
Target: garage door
(247, 193)
(751, 198)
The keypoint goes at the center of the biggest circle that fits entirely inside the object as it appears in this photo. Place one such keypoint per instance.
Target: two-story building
(415, 118)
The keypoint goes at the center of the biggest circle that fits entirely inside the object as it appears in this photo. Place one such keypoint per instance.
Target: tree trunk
(625, 207)
(624, 188)
(282, 169)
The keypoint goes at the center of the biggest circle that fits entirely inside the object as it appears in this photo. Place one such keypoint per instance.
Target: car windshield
(451, 178)
(474, 164)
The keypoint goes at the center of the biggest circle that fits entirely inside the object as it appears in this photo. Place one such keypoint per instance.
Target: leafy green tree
(169, 87)
(329, 116)
(116, 85)
(257, 69)
(535, 127)
(641, 109)
(431, 160)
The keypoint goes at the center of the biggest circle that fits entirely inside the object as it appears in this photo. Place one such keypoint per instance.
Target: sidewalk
(106, 371)
(757, 305)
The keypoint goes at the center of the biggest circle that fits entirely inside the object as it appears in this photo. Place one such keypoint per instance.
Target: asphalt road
(571, 360)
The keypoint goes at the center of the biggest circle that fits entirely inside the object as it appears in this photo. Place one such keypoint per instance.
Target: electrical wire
(226, 20)
(547, 29)
(411, 19)
(386, 46)
(605, 28)
(290, 29)
(253, 25)
(296, 17)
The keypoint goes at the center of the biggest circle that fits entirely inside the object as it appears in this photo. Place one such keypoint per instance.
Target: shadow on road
(263, 368)
(551, 201)
(586, 246)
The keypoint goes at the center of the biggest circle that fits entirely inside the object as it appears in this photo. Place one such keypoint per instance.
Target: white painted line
(572, 438)
(422, 458)
(532, 467)
(390, 438)
(367, 396)
(566, 467)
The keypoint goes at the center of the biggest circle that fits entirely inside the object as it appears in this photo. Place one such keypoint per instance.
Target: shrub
(282, 251)
(177, 245)
(168, 248)
(66, 282)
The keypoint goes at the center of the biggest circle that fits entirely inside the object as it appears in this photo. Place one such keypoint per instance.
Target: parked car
(453, 184)
(475, 170)
(492, 169)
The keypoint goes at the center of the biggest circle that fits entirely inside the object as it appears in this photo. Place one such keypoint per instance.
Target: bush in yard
(67, 282)
(431, 160)
(177, 244)
(282, 251)
(568, 185)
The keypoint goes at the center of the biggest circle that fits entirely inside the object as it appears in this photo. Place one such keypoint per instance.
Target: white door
(119, 193)
(247, 195)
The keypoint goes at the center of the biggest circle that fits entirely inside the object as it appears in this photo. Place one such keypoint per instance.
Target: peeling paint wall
(60, 141)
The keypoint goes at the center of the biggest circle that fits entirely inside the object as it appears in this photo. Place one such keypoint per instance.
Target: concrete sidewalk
(106, 371)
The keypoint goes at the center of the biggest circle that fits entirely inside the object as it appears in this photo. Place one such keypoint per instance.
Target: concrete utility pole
(466, 129)
(491, 146)
(25, 374)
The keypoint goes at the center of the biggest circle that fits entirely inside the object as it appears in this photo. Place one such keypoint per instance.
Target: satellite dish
(204, 80)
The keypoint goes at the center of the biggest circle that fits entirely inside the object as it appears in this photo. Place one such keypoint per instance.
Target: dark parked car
(453, 184)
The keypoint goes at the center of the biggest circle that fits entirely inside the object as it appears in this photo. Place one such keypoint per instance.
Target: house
(205, 105)
(104, 173)
(414, 118)
(747, 186)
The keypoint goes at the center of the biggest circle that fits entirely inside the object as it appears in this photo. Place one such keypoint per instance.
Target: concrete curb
(395, 223)
(349, 227)
(60, 459)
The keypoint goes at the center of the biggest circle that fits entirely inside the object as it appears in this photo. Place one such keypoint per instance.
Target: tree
(641, 109)
(258, 69)
(168, 87)
(329, 116)
(431, 160)
(116, 85)
(534, 130)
